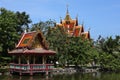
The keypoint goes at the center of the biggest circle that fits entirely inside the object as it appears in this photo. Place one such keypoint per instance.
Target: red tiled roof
(72, 27)
(27, 42)
(26, 39)
(86, 35)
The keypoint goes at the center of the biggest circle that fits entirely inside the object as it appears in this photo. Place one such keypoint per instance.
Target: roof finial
(83, 23)
(77, 20)
(25, 31)
(67, 9)
(61, 20)
(67, 17)
(77, 16)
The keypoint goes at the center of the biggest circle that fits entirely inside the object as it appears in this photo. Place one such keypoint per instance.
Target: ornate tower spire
(67, 17)
(67, 10)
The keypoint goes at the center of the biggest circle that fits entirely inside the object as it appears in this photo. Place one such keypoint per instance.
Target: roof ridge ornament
(25, 31)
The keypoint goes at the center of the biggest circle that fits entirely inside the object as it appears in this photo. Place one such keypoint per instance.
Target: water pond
(75, 76)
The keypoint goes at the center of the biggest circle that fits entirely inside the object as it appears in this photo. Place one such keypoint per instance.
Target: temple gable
(32, 40)
(72, 27)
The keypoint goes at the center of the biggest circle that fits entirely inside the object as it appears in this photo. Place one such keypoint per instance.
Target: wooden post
(20, 73)
(34, 59)
(31, 70)
(44, 60)
(31, 73)
(30, 67)
(19, 60)
(28, 58)
(47, 73)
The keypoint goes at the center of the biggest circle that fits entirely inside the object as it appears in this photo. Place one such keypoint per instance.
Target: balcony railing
(30, 67)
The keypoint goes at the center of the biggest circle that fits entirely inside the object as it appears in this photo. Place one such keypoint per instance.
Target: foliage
(77, 50)
(57, 41)
(7, 29)
(43, 26)
(10, 30)
(10, 26)
(109, 53)
(70, 50)
(23, 20)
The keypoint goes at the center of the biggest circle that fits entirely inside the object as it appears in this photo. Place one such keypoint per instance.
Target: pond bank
(4, 71)
(59, 71)
(72, 70)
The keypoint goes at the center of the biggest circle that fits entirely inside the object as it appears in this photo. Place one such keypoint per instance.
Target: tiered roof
(32, 43)
(72, 27)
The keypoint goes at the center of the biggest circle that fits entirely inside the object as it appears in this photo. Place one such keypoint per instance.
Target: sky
(101, 16)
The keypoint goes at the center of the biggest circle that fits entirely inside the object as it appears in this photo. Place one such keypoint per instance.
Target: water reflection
(14, 77)
(97, 74)
(76, 76)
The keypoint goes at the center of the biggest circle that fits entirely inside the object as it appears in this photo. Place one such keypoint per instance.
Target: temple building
(31, 55)
(72, 27)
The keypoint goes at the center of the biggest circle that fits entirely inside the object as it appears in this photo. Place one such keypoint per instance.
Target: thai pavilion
(72, 27)
(31, 52)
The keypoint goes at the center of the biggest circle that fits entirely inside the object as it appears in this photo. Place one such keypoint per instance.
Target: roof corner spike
(89, 32)
(82, 23)
(76, 16)
(77, 20)
(61, 20)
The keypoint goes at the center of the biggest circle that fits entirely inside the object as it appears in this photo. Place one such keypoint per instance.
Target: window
(26, 41)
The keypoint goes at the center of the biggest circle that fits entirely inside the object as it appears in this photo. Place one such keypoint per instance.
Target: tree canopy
(11, 28)
(109, 53)
(70, 50)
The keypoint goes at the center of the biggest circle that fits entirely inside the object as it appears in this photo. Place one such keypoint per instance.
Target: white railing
(32, 67)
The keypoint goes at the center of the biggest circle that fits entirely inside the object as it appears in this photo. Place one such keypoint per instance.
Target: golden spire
(67, 10)
(67, 17)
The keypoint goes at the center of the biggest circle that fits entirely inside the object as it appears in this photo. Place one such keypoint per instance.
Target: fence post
(47, 70)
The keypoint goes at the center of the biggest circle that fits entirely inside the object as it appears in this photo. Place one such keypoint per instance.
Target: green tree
(57, 40)
(23, 21)
(109, 52)
(10, 30)
(81, 51)
(43, 26)
(70, 50)
(7, 29)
